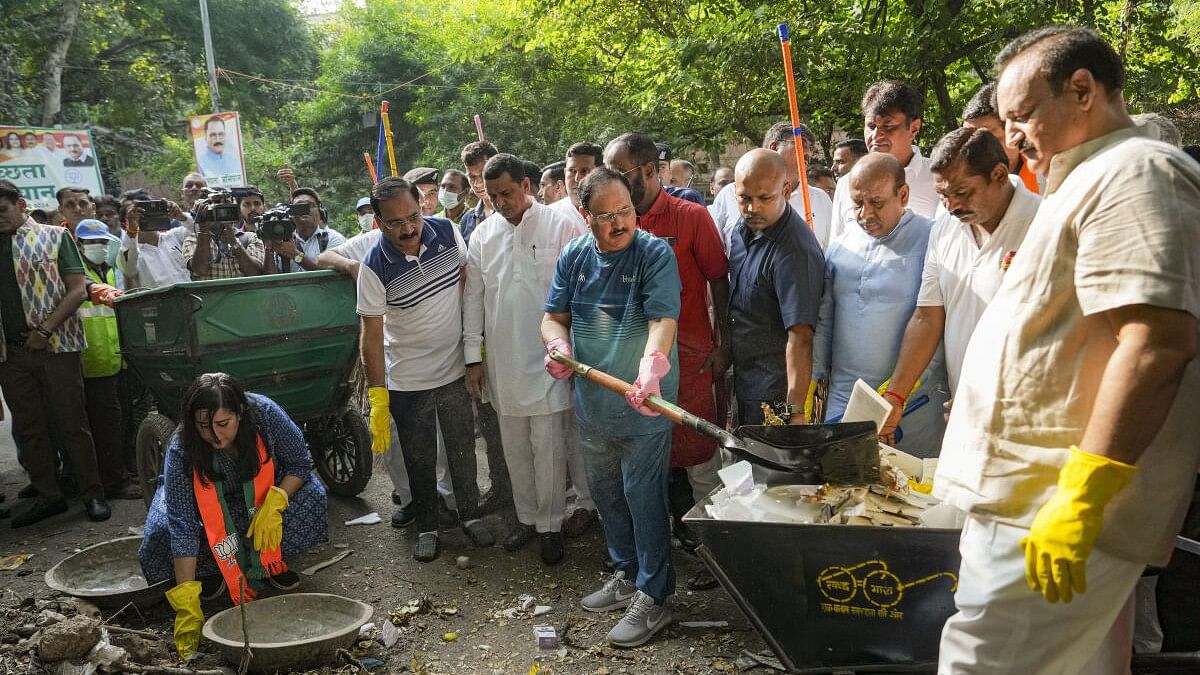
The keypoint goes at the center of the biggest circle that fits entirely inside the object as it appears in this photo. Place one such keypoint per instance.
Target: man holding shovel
(614, 302)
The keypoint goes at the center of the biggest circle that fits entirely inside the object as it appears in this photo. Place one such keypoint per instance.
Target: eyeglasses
(610, 218)
(626, 173)
(413, 220)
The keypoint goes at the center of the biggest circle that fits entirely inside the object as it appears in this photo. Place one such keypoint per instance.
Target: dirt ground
(380, 571)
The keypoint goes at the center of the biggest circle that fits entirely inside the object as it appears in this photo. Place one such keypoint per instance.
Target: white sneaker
(614, 594)
(641, 621)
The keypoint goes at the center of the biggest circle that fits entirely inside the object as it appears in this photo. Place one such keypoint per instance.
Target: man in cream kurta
(510, 264)
(1074, 422)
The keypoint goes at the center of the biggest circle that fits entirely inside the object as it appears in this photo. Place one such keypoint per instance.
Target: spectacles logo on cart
(869, 589)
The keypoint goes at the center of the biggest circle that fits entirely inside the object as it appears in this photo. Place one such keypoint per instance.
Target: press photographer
(151, 253)
(217, 250)
(298, 249)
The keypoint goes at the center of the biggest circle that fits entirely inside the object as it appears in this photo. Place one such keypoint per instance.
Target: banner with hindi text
(41, 161)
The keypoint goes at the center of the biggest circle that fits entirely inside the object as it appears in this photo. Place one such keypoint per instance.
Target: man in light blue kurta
(872, 277)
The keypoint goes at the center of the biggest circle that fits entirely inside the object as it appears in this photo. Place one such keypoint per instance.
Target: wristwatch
(298, 258)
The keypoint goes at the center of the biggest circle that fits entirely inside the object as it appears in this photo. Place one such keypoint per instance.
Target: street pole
(208, 57)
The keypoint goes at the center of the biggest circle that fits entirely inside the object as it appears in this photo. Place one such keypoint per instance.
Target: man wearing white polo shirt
(410, 300)
(973, 241)
(891, 121)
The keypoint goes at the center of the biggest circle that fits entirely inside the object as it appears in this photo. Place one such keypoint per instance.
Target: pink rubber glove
(650, 373)
(558, 371)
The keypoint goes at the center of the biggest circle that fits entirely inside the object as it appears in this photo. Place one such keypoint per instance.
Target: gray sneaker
(641, 621)
(614, 594)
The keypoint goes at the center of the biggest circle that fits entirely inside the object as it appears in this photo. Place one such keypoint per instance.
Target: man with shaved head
(872, 276)
(776, 275)
(781, 139)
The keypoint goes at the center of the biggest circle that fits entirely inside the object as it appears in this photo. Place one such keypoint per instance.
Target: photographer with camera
(217, 250)
(151, 253)
(308, 239)
(251, 206)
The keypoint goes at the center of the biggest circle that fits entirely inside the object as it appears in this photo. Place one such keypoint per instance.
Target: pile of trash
(889, 503)
(899, 498)
(60, 638)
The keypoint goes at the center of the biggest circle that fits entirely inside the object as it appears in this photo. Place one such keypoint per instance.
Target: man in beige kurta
(1072, 444)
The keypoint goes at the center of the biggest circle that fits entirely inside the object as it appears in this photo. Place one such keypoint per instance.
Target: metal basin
(289, 632)
(107, 575)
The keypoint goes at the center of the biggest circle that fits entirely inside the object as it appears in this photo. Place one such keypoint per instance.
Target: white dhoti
(535, 449)
(1004, 627)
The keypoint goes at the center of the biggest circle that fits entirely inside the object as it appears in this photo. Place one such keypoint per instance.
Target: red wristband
(899, 398)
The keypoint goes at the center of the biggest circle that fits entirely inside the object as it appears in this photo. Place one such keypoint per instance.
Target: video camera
(221, 209)
(154, 214)
(277, 224)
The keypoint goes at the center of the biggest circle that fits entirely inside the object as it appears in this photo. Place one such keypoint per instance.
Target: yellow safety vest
(102, 357)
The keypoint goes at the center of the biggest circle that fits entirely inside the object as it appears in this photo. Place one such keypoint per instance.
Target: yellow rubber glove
(809, 401)
(381, 420)
(189, 619)
(888, 382)
(266, 528)
(1061, 537)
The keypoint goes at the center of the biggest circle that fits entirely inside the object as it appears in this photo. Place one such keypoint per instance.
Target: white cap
(365, 201)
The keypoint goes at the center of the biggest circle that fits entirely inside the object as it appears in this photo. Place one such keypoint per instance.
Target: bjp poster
(41, 161)
(217, 143)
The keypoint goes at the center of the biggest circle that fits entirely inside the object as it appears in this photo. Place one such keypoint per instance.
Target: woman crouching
(238, 496)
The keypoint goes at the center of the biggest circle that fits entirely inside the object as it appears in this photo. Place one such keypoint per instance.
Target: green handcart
(291, 337)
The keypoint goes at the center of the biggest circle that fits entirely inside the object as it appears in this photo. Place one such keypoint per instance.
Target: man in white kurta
(510, 264)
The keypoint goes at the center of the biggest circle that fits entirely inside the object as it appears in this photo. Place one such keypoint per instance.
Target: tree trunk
(52, 103)
(949, 114)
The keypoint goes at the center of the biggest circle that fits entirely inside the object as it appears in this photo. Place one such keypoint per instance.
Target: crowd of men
(477, 284)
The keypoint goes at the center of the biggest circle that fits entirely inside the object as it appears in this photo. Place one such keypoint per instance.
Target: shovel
(843, 454)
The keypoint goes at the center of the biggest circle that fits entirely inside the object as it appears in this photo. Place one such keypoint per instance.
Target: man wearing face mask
(452, 195)
(101, 362)
(364, 215)
(872, 276)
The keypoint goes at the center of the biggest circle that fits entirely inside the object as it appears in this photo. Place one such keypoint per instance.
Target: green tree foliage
(138, 67)
(697, 73)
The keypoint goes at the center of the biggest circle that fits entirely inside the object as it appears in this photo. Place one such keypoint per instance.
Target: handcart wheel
(152, 436)
(344, 459)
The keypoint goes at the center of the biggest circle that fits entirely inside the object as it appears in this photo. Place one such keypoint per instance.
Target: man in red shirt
(703, 270)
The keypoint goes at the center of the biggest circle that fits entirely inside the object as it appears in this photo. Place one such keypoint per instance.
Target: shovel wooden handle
(657, 404)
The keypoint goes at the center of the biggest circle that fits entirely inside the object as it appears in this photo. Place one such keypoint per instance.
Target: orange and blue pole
(785, 42)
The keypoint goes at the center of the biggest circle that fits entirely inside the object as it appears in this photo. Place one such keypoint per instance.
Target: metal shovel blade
(842, 454)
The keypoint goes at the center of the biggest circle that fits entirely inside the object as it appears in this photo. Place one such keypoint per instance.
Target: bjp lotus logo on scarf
(226, 550)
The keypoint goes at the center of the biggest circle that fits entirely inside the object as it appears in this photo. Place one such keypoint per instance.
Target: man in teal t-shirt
(613, 304)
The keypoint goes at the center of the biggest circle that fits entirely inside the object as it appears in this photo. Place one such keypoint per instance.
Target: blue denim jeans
(628, 479)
